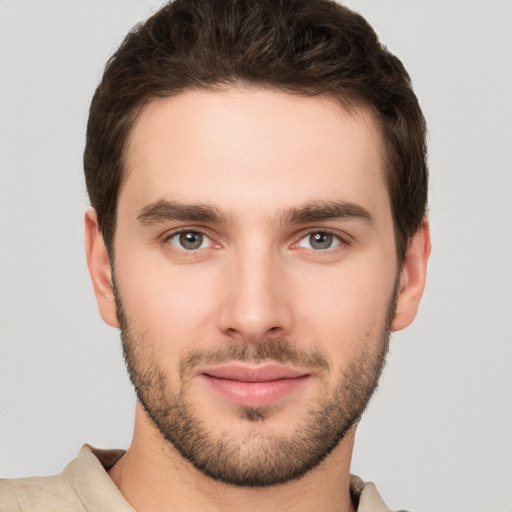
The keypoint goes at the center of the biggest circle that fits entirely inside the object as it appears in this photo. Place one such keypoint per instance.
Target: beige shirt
(84, 486)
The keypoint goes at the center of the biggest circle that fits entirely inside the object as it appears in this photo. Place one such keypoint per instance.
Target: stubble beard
(263, 457)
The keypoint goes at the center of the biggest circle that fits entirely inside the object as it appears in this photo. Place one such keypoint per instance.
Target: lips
(261, 373)
(253, 386)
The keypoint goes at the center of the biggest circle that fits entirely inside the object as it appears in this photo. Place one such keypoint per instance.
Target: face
(255, 276)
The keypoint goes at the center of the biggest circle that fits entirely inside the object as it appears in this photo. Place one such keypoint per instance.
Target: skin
(255, 156)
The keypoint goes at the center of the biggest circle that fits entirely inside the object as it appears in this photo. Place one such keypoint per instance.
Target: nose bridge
(256, 302)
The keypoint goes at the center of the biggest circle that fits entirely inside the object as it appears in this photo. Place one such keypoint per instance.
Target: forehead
(256, 149)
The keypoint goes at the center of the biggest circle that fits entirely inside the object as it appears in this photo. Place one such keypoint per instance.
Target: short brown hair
(307, 47)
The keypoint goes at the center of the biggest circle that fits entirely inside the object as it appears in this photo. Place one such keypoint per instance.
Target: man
(258, 182)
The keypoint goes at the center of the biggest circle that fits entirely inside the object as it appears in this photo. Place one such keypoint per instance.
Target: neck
(153, 476)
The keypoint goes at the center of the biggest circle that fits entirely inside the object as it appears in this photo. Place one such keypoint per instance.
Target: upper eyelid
(301, 234)
(342, 236)
(184, 229)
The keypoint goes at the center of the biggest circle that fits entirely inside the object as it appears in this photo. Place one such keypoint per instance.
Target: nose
(256, 301)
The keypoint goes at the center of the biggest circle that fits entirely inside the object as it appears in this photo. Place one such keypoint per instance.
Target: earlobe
(100, 269)
(412, 277)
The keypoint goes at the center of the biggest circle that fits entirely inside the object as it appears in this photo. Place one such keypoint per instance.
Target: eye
(319, 241)
(189, 240)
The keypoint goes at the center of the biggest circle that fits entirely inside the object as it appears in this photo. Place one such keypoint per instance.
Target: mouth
(254, 385)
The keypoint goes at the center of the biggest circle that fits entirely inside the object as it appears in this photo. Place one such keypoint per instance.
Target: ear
(100, 269)
(412, 277)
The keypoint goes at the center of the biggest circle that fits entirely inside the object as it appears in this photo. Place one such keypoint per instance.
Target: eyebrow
(315, 211)
(163, 210)
(318, 211)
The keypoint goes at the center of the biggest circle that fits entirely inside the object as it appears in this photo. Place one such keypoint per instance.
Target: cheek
(171, 304)
(346, 307)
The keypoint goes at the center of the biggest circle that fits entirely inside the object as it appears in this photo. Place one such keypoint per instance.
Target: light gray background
(438, 434)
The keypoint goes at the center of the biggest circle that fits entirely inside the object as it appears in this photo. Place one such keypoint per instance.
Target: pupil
(321, 240)
(191, 240)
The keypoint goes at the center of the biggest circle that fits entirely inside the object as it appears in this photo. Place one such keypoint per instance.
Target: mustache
(278, 350)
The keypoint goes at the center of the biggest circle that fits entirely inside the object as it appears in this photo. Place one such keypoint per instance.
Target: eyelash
(341, 242)
(184, 231)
